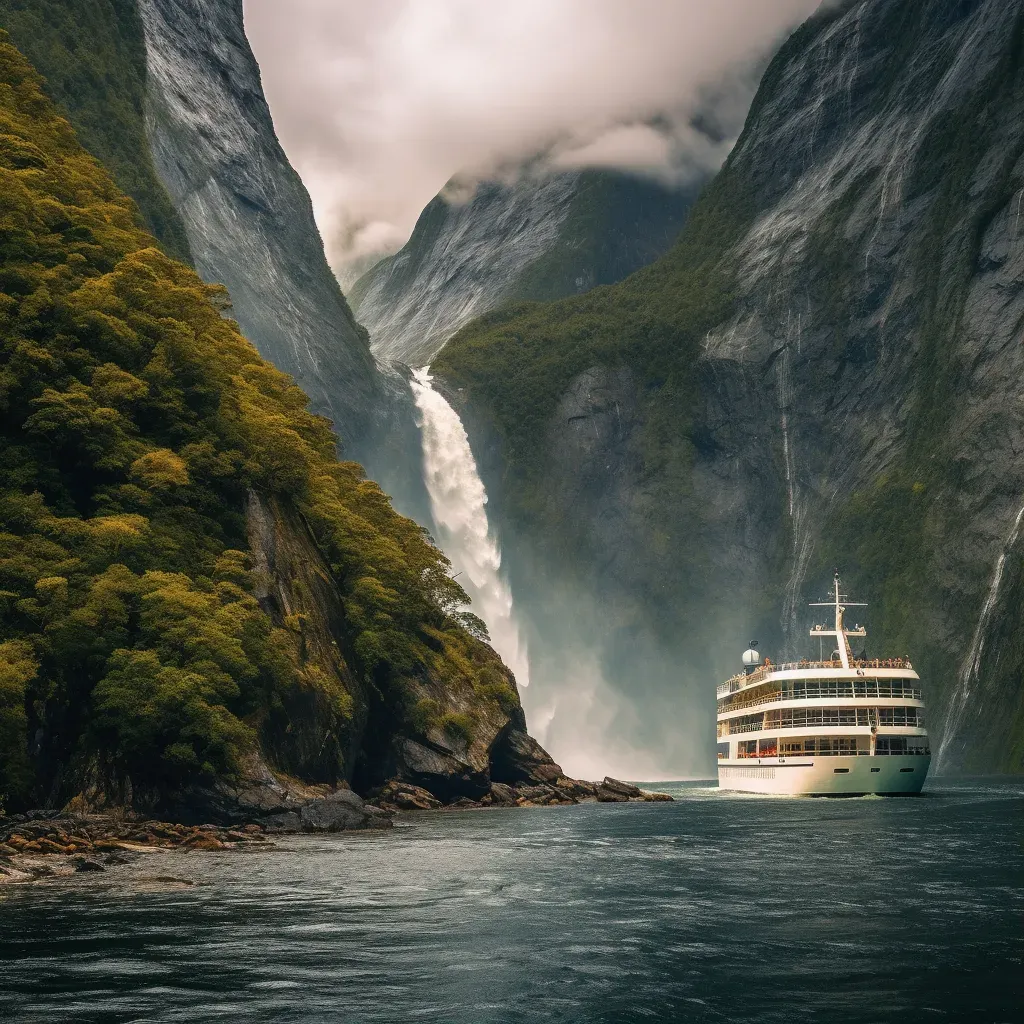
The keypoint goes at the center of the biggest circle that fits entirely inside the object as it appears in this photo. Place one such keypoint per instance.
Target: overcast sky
(379, 103)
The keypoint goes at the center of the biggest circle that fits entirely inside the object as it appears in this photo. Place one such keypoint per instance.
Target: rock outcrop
(465, 740)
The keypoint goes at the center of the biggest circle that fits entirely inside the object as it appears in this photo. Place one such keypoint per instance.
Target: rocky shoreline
(48, 844)
(60, 843)
(403, 796)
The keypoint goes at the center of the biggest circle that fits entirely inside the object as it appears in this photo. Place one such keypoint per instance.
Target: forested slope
(188, 576)
(93, 56)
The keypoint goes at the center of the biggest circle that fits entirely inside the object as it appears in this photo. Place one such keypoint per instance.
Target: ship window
(876, 769)
(906, 769)
(840, 771)
(900, 716)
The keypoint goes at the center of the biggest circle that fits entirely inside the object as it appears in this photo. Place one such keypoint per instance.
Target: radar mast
(839, 604)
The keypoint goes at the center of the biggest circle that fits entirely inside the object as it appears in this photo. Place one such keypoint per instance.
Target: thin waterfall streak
(972, 664)
(458, 502)
(802, 545)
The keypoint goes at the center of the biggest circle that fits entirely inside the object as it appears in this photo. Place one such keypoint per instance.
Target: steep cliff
(822, 371)
(539, 237)
(248, 217)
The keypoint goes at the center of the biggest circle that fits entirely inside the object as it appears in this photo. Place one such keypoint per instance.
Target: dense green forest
(92, 55)
(134, 421)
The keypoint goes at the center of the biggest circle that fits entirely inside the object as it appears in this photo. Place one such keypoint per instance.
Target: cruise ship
(844, 726)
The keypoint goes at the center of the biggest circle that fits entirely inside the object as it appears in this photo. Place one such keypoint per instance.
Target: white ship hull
(825, 776)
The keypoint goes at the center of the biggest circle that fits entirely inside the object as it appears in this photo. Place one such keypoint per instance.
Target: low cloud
(378, 105)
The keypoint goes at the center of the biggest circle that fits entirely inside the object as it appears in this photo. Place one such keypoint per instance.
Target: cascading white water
(969, 673)
(573, 710)
(458, 501)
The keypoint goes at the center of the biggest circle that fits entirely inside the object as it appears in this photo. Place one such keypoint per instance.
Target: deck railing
(917, 752)
(909, 692)
(825, 718)
(741, 679)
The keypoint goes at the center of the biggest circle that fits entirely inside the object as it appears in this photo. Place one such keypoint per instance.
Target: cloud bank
(379, 104)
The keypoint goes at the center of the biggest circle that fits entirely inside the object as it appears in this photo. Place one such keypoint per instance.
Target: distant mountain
(823, 371)
(536, 239)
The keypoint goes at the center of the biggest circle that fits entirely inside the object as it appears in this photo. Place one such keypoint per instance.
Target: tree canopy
(134, 422)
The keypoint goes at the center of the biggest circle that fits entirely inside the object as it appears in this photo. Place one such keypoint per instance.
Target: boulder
(622, 788)
(340, 811)
(278, 803)
(86, 864)
(441, 773)
(403, 796)
(202, 841)
(610, 796)
(516, 757)
(502, 795)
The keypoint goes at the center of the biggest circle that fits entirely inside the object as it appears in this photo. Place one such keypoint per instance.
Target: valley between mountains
(221, 597)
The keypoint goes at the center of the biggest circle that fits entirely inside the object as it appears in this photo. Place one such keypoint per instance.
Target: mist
(379, 105)
(645, 721)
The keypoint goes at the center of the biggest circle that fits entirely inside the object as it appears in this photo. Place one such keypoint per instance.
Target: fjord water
(715, 908)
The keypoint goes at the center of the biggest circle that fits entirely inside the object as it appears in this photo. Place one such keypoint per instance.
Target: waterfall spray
(458, 501)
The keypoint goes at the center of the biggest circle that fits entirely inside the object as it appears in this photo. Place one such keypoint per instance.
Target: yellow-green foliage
(92, 54)
(134, 420)
(18, 668)
(457, 725)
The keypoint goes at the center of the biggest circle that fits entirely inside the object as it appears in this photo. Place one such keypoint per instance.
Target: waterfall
(969, 672)
(458, 501)
(802, 541)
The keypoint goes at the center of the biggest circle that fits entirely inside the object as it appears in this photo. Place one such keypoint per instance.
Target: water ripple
(707, 910)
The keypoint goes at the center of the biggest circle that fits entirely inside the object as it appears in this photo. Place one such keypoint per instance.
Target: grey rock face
(247, 214)
(337, 812)
(877, 254)
(279, 803)
(538, 238)
(462, 259)
(873, 340)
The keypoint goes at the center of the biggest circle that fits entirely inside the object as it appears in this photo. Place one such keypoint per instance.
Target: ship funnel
(751, 658)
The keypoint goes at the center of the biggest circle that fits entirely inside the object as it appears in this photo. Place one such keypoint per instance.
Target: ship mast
(839, 604)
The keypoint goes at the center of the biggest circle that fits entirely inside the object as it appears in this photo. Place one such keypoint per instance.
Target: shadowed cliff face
(538, 238)
(295, 586)
(847, 396)
(248, 217)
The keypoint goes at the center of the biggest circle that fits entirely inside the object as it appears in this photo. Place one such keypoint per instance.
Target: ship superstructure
(840, 726)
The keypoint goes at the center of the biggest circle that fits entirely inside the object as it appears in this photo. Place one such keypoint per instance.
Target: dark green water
(715, 908)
